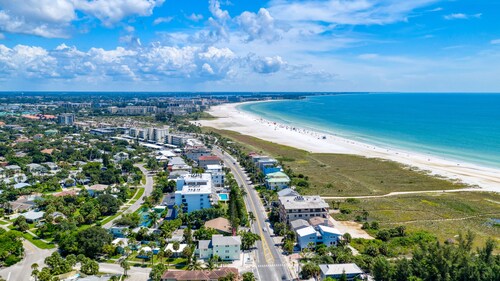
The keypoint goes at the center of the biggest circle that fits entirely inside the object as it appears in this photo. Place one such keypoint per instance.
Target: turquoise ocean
(464, 127)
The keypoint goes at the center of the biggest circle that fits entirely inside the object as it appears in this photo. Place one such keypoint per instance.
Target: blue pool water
(145, 220)
(224, 196)
(456, 126)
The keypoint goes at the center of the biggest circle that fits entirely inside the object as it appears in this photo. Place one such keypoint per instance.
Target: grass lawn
(343, 175)
(37, 242)
(4, 222)
(174, 263)
(138, 194)
(110, 218)
(443, 214)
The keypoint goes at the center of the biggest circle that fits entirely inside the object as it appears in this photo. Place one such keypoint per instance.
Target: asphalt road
(22, 270)
(148, 188)
(270, 265)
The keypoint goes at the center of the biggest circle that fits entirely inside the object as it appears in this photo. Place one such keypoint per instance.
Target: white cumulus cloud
(266, 65)
(259, 26)
(461, 16)
(113, 11)
(53, 18)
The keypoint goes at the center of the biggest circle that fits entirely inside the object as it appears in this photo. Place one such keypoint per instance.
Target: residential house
(23, 203)
(266, 162)
(13, 169)
(195, 152)
(51, 132)
(178, 164)
(33, 216)
(302, 207)
(277, 181)
(335, 271)
(306, 237)
(96, 189)
(204, 161)
(47, 151)
(52, 166)
(35, 168)
(199, 275)
(21, 185)
(271, 169)
(118, 231)
(120, 156)
(309, 236)
(227, 248)
(176, 253)
(165, 155)
(38, 137)
(287, 192)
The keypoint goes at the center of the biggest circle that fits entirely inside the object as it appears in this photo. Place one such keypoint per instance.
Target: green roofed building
(277, 181)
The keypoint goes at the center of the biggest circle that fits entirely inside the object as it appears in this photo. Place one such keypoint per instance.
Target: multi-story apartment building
(227, 248)
(302, 207)
(66, 119)
(218, 175)
(195, 192)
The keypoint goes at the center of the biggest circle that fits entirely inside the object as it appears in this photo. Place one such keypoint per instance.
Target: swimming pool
(223, 196)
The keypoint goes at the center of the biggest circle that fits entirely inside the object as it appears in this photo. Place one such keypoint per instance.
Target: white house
(33, 216)
(302, 207)
(35, 168)
(227, 248)
(218, 175)
(175, 253)
(195, 192)
(178, 164)
(52, 166)
(120, 156)
(13, 168)
(335, 271)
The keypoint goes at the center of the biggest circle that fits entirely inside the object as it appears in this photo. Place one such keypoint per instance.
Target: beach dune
(231, 118)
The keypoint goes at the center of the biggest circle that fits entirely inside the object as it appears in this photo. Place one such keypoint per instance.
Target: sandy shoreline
(230, 118)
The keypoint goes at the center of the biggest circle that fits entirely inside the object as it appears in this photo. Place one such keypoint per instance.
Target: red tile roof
(208, 158)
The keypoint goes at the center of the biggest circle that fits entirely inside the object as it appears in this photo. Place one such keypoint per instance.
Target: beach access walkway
(404, 193)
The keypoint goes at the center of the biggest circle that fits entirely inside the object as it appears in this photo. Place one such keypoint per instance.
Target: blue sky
(229, 45)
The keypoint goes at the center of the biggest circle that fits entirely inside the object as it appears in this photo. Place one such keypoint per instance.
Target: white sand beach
(230, 118)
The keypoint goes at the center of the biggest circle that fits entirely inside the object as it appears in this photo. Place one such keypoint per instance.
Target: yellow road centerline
(267, 250)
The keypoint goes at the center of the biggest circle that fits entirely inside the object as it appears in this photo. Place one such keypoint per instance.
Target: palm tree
(212, 264)
(251, 217)
(168, 254)
(161, 254)
(127, 251)
(142, 255)
(194, 264)
(151, 257)
(216, 260)
(154, 216)
(126, 266)
(35, 271)
(176, 246)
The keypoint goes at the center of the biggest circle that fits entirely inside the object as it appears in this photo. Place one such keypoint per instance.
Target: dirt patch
(351, 227)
